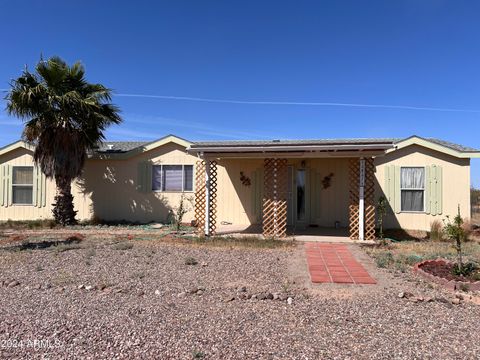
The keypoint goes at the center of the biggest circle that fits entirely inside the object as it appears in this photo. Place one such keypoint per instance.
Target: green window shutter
(44, 189)
(398, 197)
(39, 188)
(436, 190)
(433, 190)
(427, 189)
(9, 185)
(35, 186)
(140, 176)
(386, 188)
(439, 190)
(144, 177)
(2, 185)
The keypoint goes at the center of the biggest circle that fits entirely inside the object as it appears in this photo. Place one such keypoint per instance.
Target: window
(22, 185)
(172, 178)
(412, 187)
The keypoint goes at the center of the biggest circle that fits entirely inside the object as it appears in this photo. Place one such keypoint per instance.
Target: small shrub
(66, 247)
(413, 259)
(384, 259)
(180, 211)
(399, 266)
(198, 354)
(191, 261)
(464, 287)
(38, 268)
(123, 246)
(436, 230)
(466, 269)
(381, 212)
(455, 232)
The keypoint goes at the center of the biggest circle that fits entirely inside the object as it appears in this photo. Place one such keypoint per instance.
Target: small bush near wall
(436, 231)
(28, 224)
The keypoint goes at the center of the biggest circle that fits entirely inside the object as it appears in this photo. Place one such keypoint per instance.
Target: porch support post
(274, 209)
(207, 197)
(361, 201)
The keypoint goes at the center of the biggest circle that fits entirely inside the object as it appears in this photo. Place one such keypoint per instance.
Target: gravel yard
(150, 300)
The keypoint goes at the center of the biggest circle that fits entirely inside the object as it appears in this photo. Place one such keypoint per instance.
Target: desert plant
(191, 261)
(65, 118)
(180, 211)
(455, 232)
(436, 230)
(196, 354)
(123, 246)
(466, 270)
(381, 212)
(384, 259)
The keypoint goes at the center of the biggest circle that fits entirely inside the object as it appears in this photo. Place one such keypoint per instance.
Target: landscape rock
(13, 283)
(289, 301)
(456, 301)
(89, 287)
(157, 292)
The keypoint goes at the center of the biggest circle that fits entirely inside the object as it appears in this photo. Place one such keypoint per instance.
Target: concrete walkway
(334, 263)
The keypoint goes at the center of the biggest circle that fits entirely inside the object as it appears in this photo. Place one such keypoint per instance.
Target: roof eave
(288, 148)
(417, 140)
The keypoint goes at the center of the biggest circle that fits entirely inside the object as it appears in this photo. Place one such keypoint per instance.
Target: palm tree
(65, 118)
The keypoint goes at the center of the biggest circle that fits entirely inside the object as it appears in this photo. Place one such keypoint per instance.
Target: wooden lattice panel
(353, 207)
(213, 199)
(275, 198)
(369, 199)
(200, 197)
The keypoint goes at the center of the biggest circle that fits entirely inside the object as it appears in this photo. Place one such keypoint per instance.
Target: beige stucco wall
(112, 185)
(324, 206)
(108, 189)
(23, 157)
(456, 184)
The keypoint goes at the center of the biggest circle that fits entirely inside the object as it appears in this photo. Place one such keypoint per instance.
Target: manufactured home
(278, 186)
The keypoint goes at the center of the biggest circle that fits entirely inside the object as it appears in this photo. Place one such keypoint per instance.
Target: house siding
(455, 185)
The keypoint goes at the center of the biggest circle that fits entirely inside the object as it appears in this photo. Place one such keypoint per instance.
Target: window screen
(22, 185)
(412, 187)
(172, 178)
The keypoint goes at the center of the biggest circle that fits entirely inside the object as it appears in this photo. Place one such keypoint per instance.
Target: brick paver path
(334, 263)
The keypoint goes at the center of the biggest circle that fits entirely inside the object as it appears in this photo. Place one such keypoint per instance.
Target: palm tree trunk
(63, 210)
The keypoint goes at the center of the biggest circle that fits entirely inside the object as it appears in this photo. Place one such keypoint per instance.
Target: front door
(297, 204)
(290, 186)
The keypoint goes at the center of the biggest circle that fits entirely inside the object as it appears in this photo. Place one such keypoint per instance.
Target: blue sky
(417, 54)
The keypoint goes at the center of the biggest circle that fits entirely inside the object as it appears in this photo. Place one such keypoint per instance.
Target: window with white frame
(22, 185)
(412, 188)
(177, 178)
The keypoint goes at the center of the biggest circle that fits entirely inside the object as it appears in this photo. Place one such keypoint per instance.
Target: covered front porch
(308, 191)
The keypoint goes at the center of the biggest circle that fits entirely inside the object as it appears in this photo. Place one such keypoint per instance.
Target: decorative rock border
(449, 284)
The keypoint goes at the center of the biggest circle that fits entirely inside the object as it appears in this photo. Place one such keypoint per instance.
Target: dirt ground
(132, 293)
